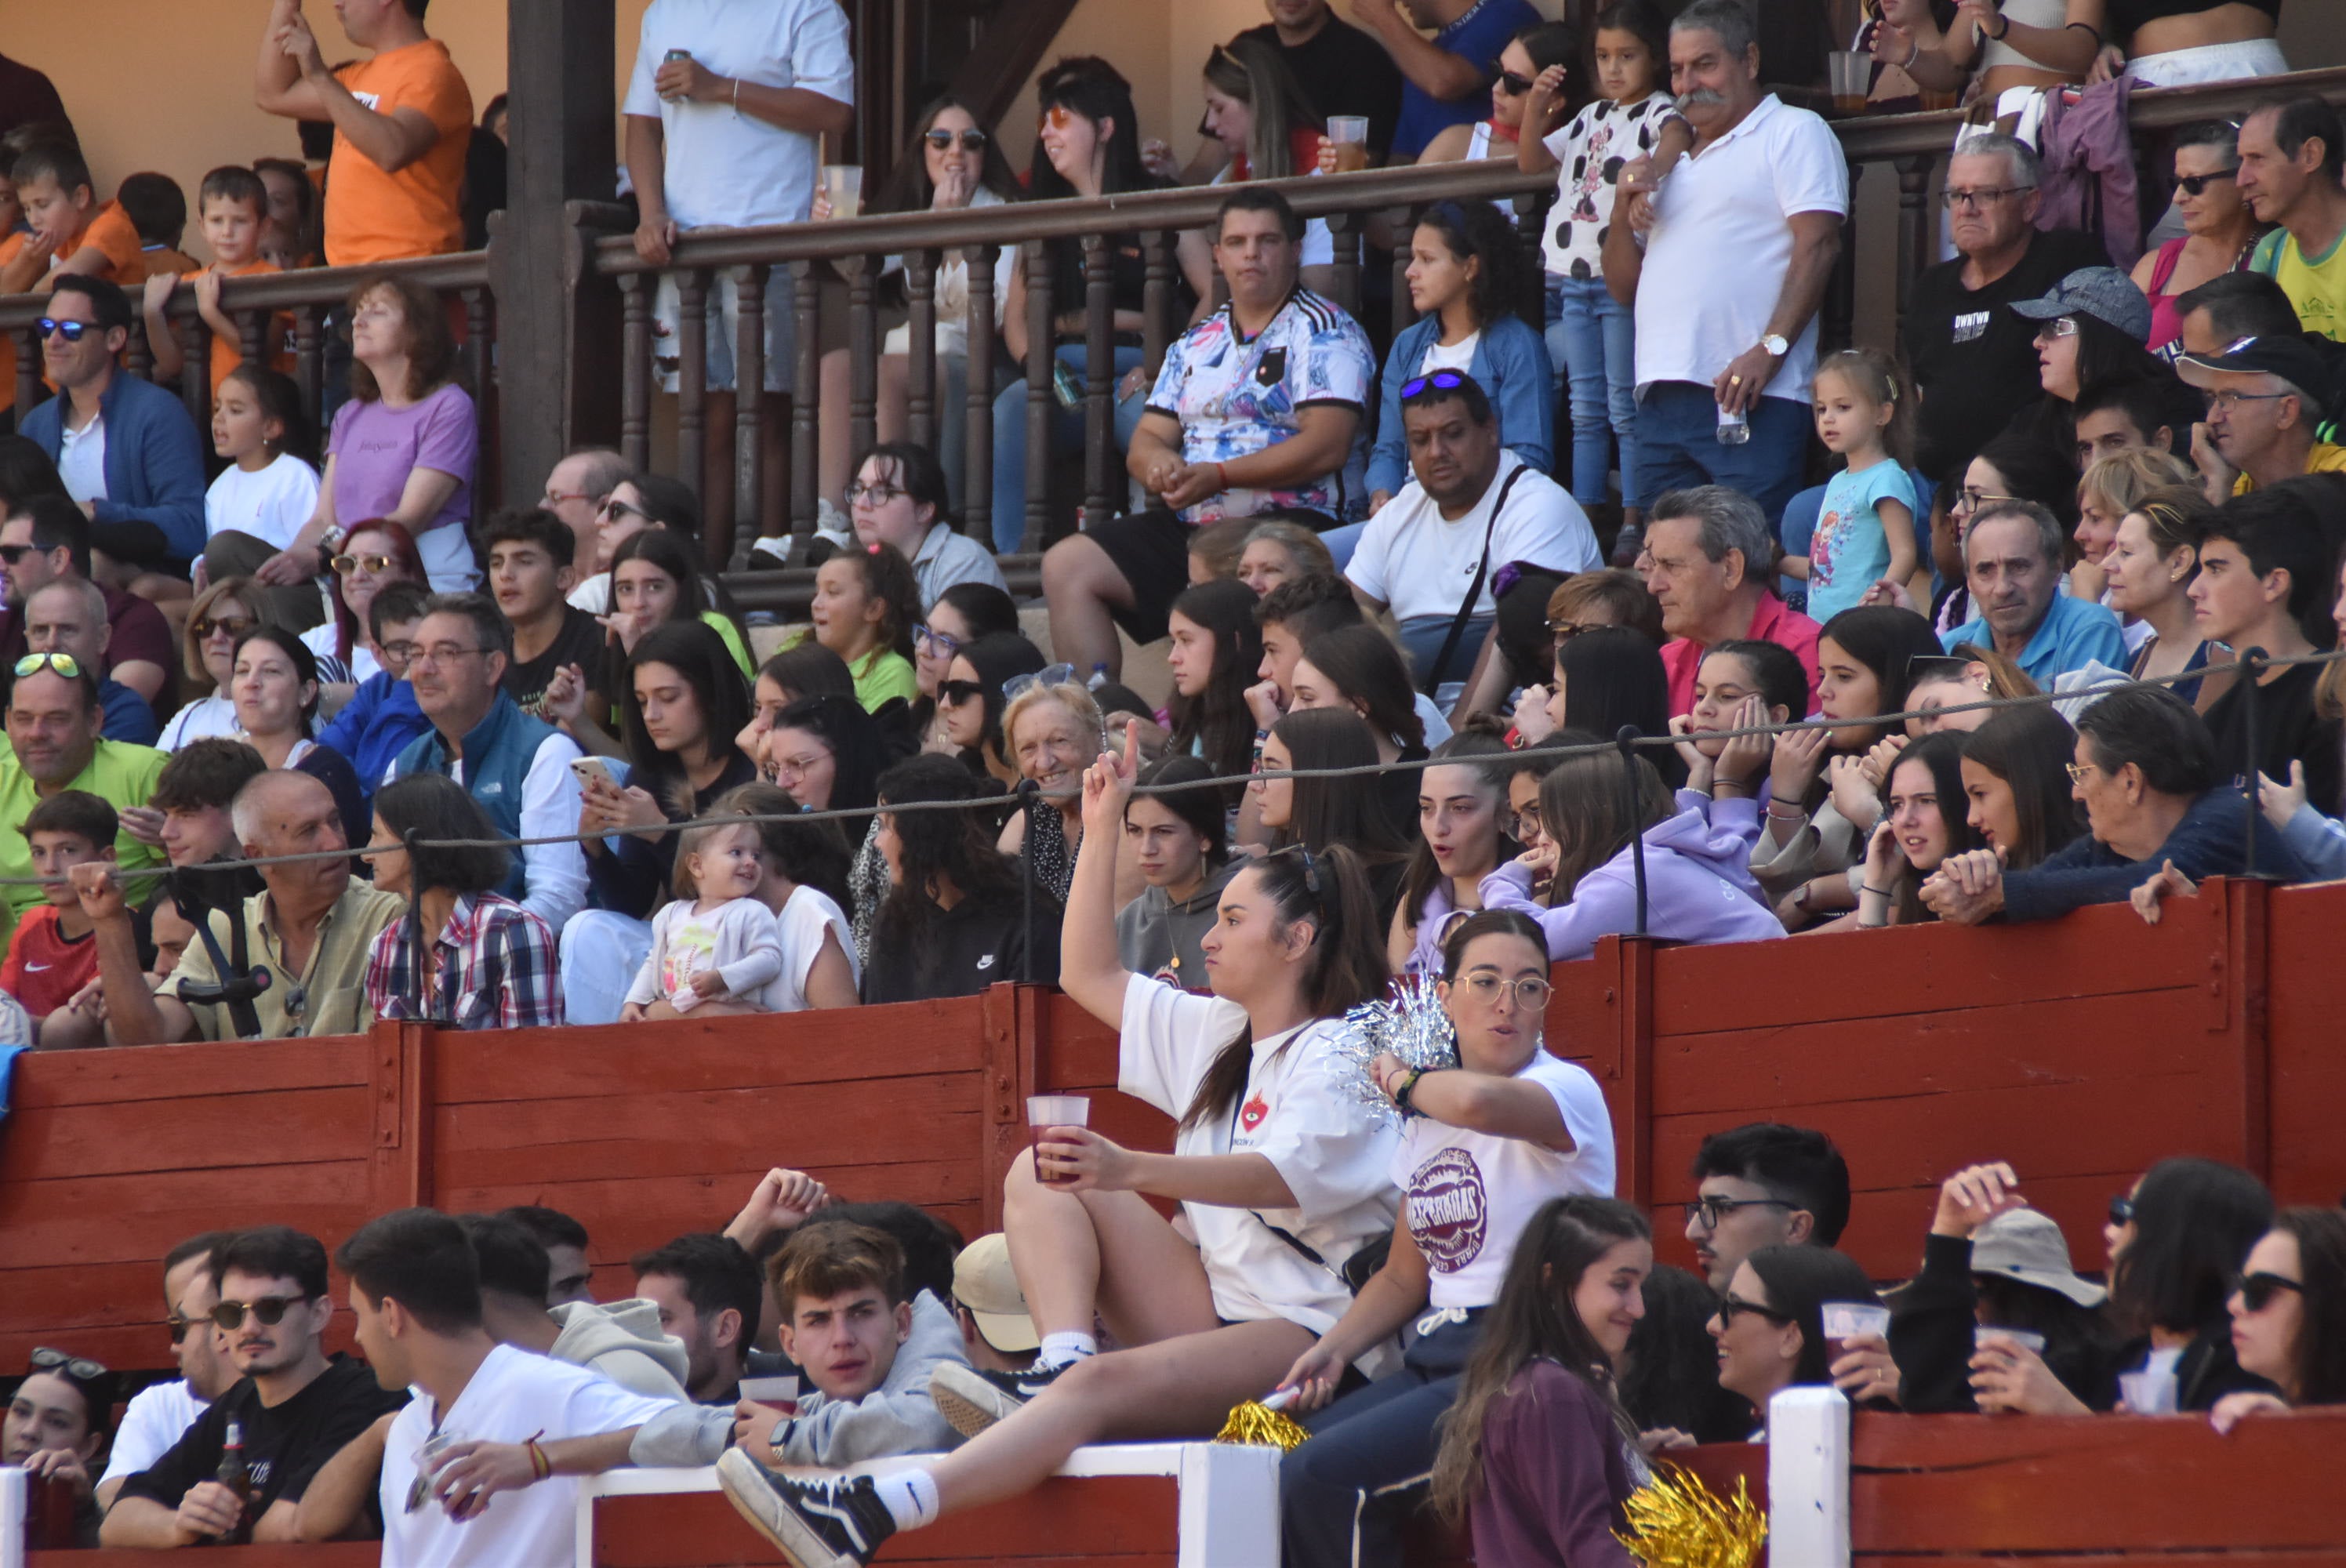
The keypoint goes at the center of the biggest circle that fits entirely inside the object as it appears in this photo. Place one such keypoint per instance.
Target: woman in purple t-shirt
(403, 447)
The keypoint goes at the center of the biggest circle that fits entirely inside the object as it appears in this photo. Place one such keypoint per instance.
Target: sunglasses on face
(2256, 1290)
(971, 141)
(178, 1326)
(65, 664)
(614, 510)
(2195, 184)
(1731, 1307)
(2056, 329)
(344, 566)
(203, 627)
(71, 331)
(12, 554)
(1058, 117)
(954, 693)
(269, 1310)
(1514, 86)
(2122, 1210)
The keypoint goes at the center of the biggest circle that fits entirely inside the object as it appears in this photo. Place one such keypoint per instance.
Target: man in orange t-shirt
(233, 205)
(402, 119)
(69, 233)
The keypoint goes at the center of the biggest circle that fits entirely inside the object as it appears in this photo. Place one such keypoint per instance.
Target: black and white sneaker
(816, 1523)
(972, 1400)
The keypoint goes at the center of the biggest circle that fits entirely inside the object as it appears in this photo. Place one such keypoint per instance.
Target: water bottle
(1099, 676)
(1734, 429)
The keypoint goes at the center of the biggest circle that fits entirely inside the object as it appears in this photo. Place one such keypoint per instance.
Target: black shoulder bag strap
(1430, 681)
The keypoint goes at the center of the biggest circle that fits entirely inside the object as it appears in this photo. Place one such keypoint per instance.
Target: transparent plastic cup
(1984, 1335)
(1054, 1110)
(843, 184)
(1349, 135)
(779, 1393)
(1846, 1320)
(1852, 78)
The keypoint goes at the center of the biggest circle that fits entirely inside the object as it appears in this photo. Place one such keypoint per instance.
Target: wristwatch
(1776, 345)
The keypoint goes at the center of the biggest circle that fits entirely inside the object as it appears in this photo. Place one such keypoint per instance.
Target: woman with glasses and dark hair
(900, 498)
(970, 702)
(55, 1429)
(1465, 274)
(1511, 1120)
(955, 618)
(638, 502)
(959, 168)
(2289, 1316)
(1770, 1325)
(464, 956)
(829, 753)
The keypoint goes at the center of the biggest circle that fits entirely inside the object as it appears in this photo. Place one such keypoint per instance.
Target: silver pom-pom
(1410, 1023)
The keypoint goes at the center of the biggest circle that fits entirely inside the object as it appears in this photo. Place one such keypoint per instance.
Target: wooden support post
(558, 341)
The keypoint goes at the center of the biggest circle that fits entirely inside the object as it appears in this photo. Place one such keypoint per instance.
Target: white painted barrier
(13, 1505)
(1228, 1509)
(1807, 1479)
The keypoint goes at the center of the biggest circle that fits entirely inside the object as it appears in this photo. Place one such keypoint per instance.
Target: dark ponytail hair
(1489, 922)
(1488, 756)
(1347, 966)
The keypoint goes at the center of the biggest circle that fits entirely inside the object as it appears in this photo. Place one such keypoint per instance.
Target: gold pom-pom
(1263, 1423)
(1677, 1521)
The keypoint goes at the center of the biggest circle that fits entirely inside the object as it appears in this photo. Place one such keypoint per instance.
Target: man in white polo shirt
(1472, 507)
(1739, 240)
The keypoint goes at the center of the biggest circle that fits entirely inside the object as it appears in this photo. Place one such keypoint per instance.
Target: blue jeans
(1066, 436)
(1591, 338)
(1679, 446)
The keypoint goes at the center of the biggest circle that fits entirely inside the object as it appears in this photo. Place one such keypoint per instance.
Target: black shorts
(1151, 550)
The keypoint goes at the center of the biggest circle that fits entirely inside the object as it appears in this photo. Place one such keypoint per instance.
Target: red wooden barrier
(2081, 1051)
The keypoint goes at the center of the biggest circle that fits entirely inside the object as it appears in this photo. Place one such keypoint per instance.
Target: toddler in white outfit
(717, 943)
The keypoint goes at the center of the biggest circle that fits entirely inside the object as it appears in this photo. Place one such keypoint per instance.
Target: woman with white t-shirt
(806, 887)
(1484, 1145)
(1280, 1170)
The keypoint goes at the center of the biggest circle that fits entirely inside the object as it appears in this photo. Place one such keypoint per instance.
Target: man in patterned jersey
(1259, 406)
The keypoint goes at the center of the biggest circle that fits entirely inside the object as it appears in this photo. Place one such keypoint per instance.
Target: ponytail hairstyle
(1581, 810)
(1488, 922)
(1216, 724)
(281, 400)
(1346, 967)
(1534, 1320)
(1477, 747)
(1874, 375)
(888, 577)
(1477, 232)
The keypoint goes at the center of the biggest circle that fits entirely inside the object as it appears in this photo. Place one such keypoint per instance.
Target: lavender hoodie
(1699, 887)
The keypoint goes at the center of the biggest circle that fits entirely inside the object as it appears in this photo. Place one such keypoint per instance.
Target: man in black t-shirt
(1974, 358)
(531, 573)
(1342, 69)
(293, 1409)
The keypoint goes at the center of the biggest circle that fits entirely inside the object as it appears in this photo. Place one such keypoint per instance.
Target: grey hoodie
(1152, 930)
(894, 1417)
(623, 1341)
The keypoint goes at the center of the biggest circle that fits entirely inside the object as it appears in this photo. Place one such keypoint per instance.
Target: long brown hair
(1346, 968)
(1582, 813)
(1533, 1319)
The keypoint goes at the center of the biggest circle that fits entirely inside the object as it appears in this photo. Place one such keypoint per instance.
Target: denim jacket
(1511, 365)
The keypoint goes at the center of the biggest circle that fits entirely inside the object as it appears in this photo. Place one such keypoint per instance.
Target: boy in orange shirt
(52, 190)
(234, 205)
(52, 956)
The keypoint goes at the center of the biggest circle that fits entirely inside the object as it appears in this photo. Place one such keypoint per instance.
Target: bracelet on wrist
(1794, 815)
(2007, 26)
(1409, 1087)
(1912, 55)
(1878, 892)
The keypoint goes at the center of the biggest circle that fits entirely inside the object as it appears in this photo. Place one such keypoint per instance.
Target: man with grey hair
(516, 767)
(303, 939)
(2265, 412)
(577, 489)
(1725, 353)
(1708, 560)
(1974, 360)
(2011, 562)
(67, 616)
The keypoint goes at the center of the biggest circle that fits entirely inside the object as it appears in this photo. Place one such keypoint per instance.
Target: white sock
(1059, 1349)
(909, 1495)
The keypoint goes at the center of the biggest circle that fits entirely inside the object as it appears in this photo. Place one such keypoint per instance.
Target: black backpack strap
(1430, 681)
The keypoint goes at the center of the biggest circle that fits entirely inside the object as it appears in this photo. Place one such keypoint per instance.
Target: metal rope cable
(1367, 770)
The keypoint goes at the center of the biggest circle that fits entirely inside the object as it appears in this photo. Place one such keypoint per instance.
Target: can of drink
(670, 58)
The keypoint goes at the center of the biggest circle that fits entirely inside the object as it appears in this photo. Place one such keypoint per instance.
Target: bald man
(308, 933)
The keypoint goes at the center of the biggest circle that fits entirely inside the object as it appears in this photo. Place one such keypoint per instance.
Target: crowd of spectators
(525, 770)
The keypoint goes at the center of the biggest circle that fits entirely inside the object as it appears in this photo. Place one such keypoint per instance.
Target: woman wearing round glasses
(1484, 1145)
(900, 498)
(961, 167)
(376, 554)
(956, 618)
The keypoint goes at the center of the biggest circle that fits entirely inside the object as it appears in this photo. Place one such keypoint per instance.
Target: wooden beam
(556, 352)
(1015, 39)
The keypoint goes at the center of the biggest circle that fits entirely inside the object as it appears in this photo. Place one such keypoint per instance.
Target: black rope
(1627, 741)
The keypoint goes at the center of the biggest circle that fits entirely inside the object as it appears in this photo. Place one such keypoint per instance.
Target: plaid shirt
(496, 969)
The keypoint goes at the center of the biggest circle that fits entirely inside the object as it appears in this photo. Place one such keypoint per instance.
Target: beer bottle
(234, 1474)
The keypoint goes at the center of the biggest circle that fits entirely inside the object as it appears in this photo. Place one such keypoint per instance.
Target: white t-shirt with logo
(1467, 1196)
(158, 1417)
(271, 504)
(1421, 564)
(513, 1396)
(1299, 1113)
(727, 168)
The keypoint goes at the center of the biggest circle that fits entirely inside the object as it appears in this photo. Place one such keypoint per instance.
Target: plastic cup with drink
(775, 1393)
(842, 187)
(1853, 78)
(1047, 1111)
(2149, 1393)
(1349, 135)
(1987, 1336)
(1847, 1320)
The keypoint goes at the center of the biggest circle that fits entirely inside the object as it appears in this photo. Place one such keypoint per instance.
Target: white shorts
(2209, 63)
(724, 312)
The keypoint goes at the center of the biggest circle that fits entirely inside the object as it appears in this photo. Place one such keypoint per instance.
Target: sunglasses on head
(71, 331)
(203, 627)
(2256, 1290)
(44, 1359)
(1448, 380)
(1049, 675)
(269, 1310)
(2193, 184)
(971, 141)
(65, 664)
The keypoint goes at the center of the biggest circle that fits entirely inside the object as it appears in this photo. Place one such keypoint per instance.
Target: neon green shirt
(882, 673)
(119, 773)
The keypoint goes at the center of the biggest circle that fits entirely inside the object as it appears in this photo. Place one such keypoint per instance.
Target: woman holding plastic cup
(1484, 1147)
(1279, 1165)
(1769, 1326)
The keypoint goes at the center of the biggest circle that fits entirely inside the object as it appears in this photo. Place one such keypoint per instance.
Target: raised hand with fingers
(1974, 1195)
